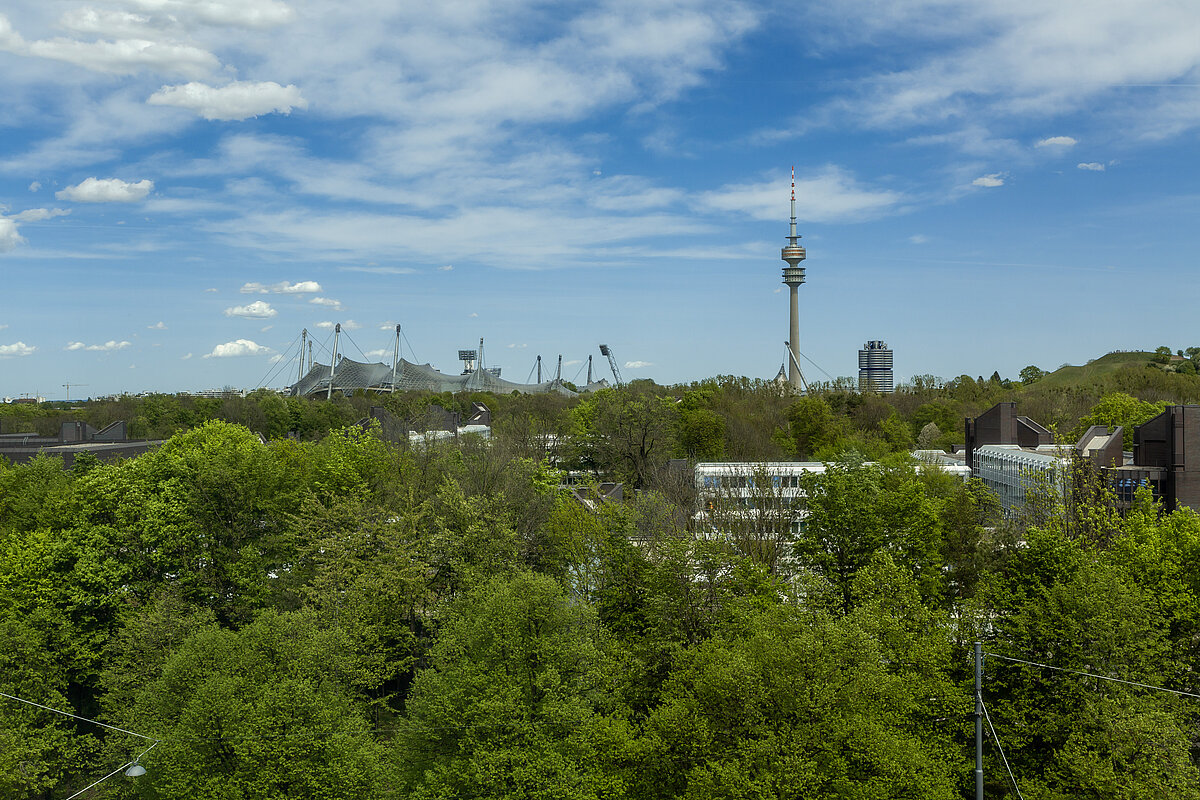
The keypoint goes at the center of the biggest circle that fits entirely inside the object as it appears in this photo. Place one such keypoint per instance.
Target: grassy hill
(1095, 372)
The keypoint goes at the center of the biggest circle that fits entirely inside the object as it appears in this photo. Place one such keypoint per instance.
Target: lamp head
(135, 770)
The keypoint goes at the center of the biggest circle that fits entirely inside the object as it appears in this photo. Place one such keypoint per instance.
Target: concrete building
(1166, 458)
(74, 438)
(1012, 454)
(875, 368)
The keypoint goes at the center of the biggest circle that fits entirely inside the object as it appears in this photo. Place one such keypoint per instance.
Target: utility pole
(979, 721)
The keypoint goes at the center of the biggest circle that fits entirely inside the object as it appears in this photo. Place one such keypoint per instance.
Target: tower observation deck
(793, 276)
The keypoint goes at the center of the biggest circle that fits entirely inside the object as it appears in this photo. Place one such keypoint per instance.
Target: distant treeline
(631, 434)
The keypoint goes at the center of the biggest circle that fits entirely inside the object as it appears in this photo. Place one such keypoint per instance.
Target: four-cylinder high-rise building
(793, 276)
(875, 368)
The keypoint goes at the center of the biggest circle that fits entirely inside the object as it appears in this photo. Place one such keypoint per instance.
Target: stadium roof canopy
(349, 376)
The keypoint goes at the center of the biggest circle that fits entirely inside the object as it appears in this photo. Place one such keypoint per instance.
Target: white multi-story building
(1014, 472)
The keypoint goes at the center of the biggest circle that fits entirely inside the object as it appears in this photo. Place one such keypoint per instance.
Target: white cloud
(380, 270)
(40, 214)
(186, 357)
(259, 309)
(108, 347)
(124, 56)
(446, 268)
(107, 190)
(16, 349)
(832, 195)
(9, 235)
(472, 315)
(3, 326)
(517, 346)
(33, 187)
(9, 238)
(1094, 166)
(283, 287)
(995, 59)
(212, 289)
(238, 13)
(989, 181)
(239, 347)
(348, 325)
(235, 101)
(158, 326)
(275, 359)
(918, 238)
(1058, 141)
(380, 353)
(637, 364)
(265, 328)
(572, 362)
(329, 302)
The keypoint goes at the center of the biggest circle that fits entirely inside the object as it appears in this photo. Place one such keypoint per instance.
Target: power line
(1000, 747)
(76, 716)
(1098, 677)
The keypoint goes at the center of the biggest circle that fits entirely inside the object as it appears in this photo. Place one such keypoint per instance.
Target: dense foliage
(341, 616)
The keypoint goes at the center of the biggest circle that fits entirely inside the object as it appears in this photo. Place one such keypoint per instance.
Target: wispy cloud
(1063, 142)
(106, 190)
(16, 350)
(107, 347)
(259, 309)
(1091, 166)
(283, 287)
(237, 348)
(989, 181)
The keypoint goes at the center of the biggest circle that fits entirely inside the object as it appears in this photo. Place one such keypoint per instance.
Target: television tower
(793, 276)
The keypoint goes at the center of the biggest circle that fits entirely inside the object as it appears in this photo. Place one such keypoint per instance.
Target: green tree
(813, 426)
(1032, 374)
(1116, 409)
(732, 722)
(512, 705)
(260, 713)
(854, 511)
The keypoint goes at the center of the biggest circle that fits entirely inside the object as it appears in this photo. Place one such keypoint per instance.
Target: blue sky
(983, 184)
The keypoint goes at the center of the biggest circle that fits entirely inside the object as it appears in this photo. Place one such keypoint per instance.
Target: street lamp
(132, 769)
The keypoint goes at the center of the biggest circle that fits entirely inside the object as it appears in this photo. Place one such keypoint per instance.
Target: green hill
(1096, 371)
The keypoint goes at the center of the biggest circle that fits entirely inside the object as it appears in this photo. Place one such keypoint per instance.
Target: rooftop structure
(74, 438)
(347, 376)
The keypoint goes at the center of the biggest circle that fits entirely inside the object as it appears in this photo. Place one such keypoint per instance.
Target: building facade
(875, 368)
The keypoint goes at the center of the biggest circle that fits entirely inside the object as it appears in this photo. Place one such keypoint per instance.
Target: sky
(185, 185)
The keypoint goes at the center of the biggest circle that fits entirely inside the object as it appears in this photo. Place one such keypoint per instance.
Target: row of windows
(748, 482)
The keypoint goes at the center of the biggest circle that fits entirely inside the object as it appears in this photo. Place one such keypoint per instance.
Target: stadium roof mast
(337, 331)
(589, 380)
(793, 276)
(395, 359)
(303, 340)
(605, 350)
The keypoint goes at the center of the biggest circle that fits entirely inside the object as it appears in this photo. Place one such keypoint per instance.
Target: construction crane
(605, 350)
(68, 386)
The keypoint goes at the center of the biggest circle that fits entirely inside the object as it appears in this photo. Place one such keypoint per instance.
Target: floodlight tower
(793, 276)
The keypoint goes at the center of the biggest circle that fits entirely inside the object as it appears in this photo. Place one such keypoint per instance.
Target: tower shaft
(793, 276)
